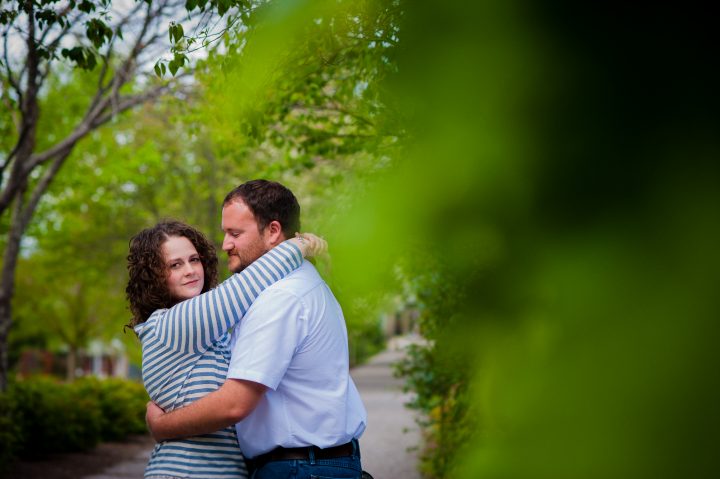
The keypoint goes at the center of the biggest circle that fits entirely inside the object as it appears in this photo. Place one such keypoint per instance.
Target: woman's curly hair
(147, 289)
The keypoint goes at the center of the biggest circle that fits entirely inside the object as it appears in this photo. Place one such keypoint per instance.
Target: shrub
(10, 433)
(122, 406)
(40, 415)
(54, 417)
(438, 371)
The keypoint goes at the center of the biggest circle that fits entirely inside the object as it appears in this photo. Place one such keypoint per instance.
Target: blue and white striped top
(186, 355)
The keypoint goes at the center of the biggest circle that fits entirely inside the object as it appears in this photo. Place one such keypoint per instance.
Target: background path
(387, 446)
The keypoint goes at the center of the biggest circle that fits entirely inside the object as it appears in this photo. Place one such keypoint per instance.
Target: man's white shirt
(293, 340)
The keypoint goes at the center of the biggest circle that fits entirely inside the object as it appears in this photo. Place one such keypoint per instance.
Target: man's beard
(238, 262)
(238, 265)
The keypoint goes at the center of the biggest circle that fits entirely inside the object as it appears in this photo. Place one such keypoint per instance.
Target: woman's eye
(174, 265)
(195, 260)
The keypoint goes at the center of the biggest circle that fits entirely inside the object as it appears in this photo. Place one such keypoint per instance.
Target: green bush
(10, 433)
(41, 415)
(54, 417)
(438, 371)
(365, 340)
(122, 406)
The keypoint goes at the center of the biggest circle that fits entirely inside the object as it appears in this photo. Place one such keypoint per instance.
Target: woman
(183, 324)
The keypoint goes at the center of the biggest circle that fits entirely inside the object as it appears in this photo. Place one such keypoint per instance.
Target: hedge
(42, 415)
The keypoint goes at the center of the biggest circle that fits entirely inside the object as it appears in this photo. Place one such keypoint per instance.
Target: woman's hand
(152, 412)
(309, 244)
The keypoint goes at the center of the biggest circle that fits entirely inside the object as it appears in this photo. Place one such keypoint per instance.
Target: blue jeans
(346, 467)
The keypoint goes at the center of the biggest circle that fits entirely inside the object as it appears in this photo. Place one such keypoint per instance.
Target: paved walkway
(387, 446)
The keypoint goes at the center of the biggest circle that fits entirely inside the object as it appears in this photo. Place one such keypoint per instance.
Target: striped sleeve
(191, 327)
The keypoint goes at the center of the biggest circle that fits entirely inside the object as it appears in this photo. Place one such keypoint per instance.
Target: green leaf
(98, 32)
(7, 16)
(74, 54)
(223, 6)
(44, 53)
(175, 32)
(90, 59)
(179, 33)
(83, 57)
(158, 71)
(181, 59)
(48, 17)
(174, 66)
(86, 6)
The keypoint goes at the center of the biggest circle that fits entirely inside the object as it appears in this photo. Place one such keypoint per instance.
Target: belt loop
(356, 447)
(311, 454)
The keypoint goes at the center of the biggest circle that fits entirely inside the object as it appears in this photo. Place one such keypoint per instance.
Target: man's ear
(274, 233)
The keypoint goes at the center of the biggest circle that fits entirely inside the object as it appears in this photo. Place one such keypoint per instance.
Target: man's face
(243, 243)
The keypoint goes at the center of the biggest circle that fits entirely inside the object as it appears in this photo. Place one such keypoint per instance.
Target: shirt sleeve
(192, 326)
(268, 338)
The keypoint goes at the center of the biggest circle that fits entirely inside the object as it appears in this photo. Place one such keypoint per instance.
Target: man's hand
(152, 413)
(235, 399)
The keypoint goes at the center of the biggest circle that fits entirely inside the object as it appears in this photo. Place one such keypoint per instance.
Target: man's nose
(227, 245)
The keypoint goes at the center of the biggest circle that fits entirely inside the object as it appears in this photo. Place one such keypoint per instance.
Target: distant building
(101, 359)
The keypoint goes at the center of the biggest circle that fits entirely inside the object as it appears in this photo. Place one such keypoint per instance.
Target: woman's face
(185, 274)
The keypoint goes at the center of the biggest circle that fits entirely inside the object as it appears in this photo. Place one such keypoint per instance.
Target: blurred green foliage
(565, 177)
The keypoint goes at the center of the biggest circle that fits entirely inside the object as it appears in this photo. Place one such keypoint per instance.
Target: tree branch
(11, 78)
(121, 75)
(42, 186)
(102, 89)
(128, 102)
(93, 122)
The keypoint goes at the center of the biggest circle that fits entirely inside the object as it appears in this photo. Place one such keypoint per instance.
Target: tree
(116, 42)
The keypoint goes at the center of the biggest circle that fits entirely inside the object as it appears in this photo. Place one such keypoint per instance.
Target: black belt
(303, 453)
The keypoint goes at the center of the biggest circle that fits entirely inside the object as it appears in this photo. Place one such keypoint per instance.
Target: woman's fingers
(315, 245)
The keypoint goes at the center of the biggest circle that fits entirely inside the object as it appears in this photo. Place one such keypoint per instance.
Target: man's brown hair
(269, 201)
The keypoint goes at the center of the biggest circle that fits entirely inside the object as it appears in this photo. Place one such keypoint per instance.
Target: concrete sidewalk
(389, 444)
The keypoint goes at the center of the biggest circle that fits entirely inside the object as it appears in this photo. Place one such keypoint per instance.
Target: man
(288, 386)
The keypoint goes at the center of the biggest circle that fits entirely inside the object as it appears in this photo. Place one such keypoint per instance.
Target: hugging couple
(278, 386)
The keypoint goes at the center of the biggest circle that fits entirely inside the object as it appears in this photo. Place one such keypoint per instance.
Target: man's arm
(230, 404)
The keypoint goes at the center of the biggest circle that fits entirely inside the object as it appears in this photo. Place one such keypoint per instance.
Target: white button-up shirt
(293, 340)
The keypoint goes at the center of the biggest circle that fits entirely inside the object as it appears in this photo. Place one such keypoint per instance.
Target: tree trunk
(30, 114)
(106, 104)
(7, 284)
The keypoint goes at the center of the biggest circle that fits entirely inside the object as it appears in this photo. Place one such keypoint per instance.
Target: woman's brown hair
(147, 290)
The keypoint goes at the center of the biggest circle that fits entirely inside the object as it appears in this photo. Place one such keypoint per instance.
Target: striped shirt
(186, 355)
